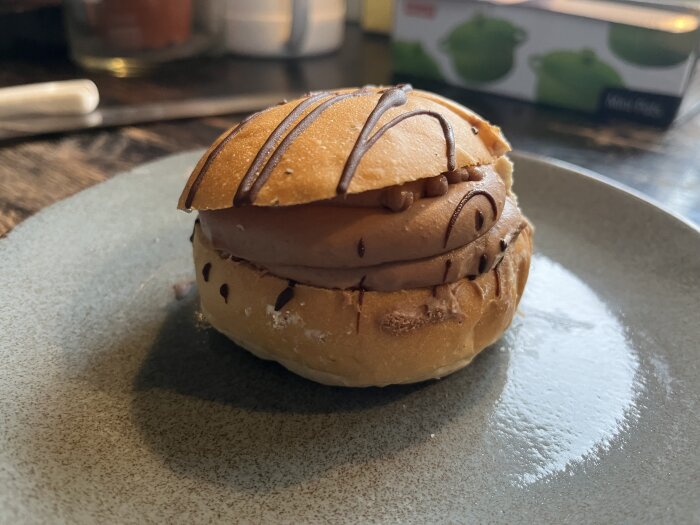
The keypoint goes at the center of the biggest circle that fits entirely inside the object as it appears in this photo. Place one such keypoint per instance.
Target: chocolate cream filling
(328, 235)
(450, 229)
(470, 260)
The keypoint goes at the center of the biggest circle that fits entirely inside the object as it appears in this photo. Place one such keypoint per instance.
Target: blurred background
(89, 88)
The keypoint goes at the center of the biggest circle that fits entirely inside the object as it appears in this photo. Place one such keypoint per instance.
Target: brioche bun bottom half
(361, 338)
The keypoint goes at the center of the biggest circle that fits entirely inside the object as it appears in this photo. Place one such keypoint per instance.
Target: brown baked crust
(311, 168)
(403, 337)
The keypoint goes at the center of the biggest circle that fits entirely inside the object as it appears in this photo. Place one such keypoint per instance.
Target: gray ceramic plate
(117, 404)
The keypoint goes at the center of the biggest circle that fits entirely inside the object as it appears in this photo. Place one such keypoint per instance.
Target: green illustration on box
(650, 47)
(482, 49)
(410, 57)
(573, 79)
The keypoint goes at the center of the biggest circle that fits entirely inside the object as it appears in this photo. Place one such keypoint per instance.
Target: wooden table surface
(662, 163)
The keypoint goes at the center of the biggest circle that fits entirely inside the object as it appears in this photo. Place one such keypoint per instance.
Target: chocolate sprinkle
(361, 247)
(483, 262)
(504, 245)
(205, 272)
(498, 281)
(194, 227)
(463, 201)
(285, 296)
(223, 291)
(475, 130)
(448, 265)
(479, 219)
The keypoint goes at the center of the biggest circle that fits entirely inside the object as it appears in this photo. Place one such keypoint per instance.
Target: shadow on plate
(213, 411)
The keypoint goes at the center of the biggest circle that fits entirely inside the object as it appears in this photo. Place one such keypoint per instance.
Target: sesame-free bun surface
(311, 167)
(403, 337)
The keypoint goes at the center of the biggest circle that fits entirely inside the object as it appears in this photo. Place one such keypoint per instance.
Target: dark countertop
(662, 163)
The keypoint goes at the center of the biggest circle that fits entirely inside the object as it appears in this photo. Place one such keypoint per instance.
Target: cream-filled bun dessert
(361, 236)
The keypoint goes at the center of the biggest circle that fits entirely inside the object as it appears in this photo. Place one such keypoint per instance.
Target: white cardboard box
(633, 60)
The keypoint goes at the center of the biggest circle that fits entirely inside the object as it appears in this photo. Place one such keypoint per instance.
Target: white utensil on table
(66, 97)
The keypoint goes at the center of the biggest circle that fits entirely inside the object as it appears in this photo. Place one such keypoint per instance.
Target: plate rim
(595, 176)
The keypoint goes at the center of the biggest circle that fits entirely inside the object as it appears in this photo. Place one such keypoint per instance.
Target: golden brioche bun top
(314, 146)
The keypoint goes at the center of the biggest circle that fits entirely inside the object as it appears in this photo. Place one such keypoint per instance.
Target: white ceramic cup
(284, 28)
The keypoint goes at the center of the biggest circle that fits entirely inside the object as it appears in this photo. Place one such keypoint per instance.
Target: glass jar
(128, 37)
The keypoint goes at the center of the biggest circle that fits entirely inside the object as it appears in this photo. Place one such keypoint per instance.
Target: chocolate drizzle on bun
(285, 296)
(296, 193)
